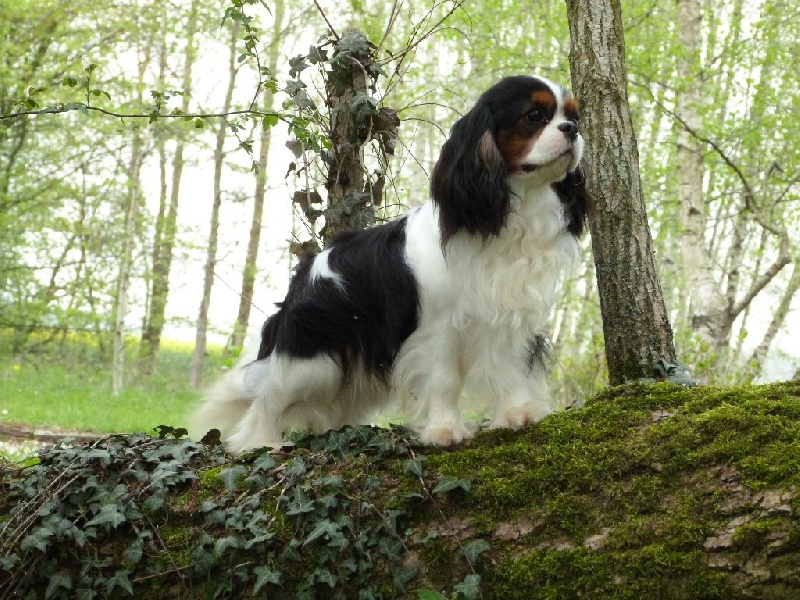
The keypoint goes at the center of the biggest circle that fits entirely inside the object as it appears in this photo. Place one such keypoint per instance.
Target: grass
(71, 388)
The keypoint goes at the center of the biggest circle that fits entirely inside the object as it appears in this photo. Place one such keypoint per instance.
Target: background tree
(279, 31)
(635, 320)
(166, 225)
(201, 326)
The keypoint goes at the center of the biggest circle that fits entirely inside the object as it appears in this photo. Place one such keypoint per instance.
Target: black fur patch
(538, 352)
(577, 204)
(367, 320)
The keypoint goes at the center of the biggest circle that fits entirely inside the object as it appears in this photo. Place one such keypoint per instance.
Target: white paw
(445, 435)
(517, 417)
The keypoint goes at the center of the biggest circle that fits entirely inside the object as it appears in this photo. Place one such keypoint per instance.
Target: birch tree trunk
(166, 227)
(756, 361)
(201, 329)
(131, 217)
(705, 304)
(254, 240)
(121, 305)
(635, 321)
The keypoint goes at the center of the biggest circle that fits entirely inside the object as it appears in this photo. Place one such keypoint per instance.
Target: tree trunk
(254, 240)
(166, 228)
(345, 178)
(703, 295)
(126, 260)
(635, 321)
(201, 328)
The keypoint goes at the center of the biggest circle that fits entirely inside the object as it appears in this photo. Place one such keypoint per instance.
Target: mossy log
(648, 491)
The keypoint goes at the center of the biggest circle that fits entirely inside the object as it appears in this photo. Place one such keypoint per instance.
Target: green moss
(652, 571)
(638, 466)
(211, 479)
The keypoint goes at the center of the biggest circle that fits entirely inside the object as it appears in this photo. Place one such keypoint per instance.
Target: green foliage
(339, 64)
(179, 513)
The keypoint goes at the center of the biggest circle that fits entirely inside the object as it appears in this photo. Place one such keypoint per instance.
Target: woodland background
(125, 227)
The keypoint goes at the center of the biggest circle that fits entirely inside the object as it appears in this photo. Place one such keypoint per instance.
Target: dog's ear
(576, 200)
(469, 181)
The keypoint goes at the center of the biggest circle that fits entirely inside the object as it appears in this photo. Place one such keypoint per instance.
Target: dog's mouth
(530, 167)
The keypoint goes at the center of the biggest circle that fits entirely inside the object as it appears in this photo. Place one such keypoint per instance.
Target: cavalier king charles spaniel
(452, 298)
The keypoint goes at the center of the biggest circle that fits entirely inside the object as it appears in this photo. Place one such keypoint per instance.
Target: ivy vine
(164, 516)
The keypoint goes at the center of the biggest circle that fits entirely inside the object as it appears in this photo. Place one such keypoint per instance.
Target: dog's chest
(512, 278)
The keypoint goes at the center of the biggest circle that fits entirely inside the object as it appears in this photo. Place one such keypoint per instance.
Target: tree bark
(635, 321)
(166, 227)
(256, 223)
(121, 304)
(703, 294)
(201, 327)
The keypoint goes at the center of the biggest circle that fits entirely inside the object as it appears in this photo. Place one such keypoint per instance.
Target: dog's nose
(570, 130)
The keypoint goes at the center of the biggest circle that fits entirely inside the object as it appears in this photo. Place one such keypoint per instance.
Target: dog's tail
(224, 403)
(223, 407)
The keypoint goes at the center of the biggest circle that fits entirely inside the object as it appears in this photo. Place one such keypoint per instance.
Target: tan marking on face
(571, 108)
(544, 99)
(516, 143)
(489, 152)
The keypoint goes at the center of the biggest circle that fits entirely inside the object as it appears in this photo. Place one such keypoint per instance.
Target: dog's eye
(535, 115)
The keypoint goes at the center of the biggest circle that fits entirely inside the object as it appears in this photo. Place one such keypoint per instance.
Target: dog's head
(523, 130)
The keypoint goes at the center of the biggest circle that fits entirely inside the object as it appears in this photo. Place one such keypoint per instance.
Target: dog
(455, 295)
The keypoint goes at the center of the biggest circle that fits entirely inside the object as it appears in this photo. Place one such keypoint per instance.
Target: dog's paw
(517, 417)
(445, 435)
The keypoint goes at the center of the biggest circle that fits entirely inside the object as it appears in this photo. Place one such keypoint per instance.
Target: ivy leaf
(300, 504)
(231, 475)
(415, 466)
(391, 548)
(120, 579)
(38, 539)
(297, 64)
(354, 43)
(325, 576)
(447, 483)
(133, 553)
(473, 549)
(110, 515)
(324, 527)
(293, 87)
(265, 575)
(470, 588)
(57, 581)
(317, 54)
(224, 544)
(265, 462)
(402, 575)
(296, 467)
(9, 562)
